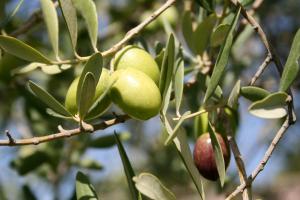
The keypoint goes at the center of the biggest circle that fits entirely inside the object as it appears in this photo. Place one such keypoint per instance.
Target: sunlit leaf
(27, 68)
(51, 20)
(84, 189)
(291, 67)
(20, 49)
(49, 100)
(150, 186)
(69, 14)
(254, 93)
(87, 9)
(128, 170)
(219, 35)
(218, 154)
(234, 95)
(222, 60)
(271, 107)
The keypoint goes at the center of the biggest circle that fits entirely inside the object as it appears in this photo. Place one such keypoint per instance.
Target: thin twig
(247, 194)
(62, 134)
(261, 69)
(271, 52)
(264, 160)
(128, 36)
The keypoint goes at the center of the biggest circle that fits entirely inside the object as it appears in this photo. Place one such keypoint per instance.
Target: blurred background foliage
(47, 171)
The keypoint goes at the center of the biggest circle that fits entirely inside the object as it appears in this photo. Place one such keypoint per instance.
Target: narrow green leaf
(234, 95)
(254, 93)
(183, 149)
(49, 100)
(187, 29)
(291, 68)
(202, 34)
(94, 66)
(218, 154)
(208, 5)
(51, 20)
(174, 131)
(69, 14)
(150, 186)
(87, 94)
(21, 50)
(166, 100)
(128, 169)
(222, 60)
(219, 35)
(84, 189)
(179, 84)
(271, 107)
(88, 11)
(108, 140)
(167, 66)
(11, 15)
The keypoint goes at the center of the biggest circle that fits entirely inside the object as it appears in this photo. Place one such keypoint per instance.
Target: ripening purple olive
(204, 157)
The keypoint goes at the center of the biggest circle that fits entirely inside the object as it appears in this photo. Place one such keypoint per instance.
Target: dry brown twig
(290, 119)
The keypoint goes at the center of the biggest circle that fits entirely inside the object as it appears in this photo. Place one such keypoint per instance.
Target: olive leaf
(218, 153)
(271, 107)
(219, 35)
(88, 11)
(84, 189)
(69, 15)
(222, 60)
(174, 131)
(183, 149)
(51, 20)
(291, 68)
(179, 84)
(202, 34)
(49, 100)
(86, 95)
(88, 163)
(21, 50)
(167, 66)
(187, 29)
(128, 169)
(254, 93)
(93, 66)
(234, 95)
(150, 186)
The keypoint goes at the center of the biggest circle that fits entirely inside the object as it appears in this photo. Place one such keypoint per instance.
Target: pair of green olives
(134, 88)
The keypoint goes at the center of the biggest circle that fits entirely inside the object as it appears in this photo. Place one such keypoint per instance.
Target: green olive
(70, 101)
(137, 58)
(135, 93)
